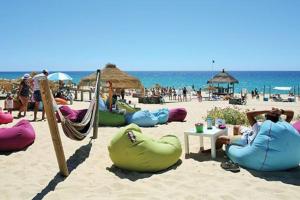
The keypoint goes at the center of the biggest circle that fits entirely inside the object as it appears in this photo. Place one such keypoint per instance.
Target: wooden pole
(264, 92)
(90, 95)
(81, 93)
(96, 119)
(270, 92)
(51, 118)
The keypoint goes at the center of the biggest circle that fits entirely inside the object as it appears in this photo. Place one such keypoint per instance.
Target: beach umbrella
(223, 77)
(118, 78)
(59, 76)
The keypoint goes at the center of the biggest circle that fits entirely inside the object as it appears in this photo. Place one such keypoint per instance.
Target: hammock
(79, 130)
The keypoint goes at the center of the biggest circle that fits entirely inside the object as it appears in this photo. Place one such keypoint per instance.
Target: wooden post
(81, 93)
(270, 92)
(51, 118)
(90, 95)
(264, 92)
(96, 119)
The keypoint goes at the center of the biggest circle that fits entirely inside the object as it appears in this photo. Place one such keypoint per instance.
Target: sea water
(178, 79)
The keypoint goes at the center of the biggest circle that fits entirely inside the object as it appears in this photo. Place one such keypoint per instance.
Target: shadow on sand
(291, 176)
(134, 176)
(73, 162)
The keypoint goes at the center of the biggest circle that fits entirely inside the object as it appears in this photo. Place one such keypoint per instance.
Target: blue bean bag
(276, 147)
(162, 115)
(102, 105)
(142, 118)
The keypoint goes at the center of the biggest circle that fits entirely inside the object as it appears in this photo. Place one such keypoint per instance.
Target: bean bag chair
(177, 114)
(18, 137)
(102, 105)
(125, 106)
(142, 118)
(162, 115)
(276, 147)
(130, 149)
(60, 101)
(5, 118)
(72, 115)
(296, 125)
(107, 118)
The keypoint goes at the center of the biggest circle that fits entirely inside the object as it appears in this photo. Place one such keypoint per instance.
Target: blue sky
(150, 35)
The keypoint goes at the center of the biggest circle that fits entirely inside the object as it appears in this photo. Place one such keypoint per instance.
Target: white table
(213, 134)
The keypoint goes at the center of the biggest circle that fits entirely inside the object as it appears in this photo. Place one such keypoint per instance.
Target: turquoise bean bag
(276, 147)
(142, 118)
(162, 115)
(130, 149)
(102, 105)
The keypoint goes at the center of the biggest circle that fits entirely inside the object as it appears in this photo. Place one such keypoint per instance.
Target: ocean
(247, 79)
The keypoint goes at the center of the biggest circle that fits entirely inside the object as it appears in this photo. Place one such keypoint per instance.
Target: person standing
(184, 94)
(122, 94)
(23, 94)
(37, 93)
(10, 103)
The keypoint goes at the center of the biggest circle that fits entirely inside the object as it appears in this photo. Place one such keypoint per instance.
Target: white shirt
(9, 103)
(249, 134)
(36, 84)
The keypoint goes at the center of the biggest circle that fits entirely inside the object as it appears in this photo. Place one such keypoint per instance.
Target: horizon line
(160, 70)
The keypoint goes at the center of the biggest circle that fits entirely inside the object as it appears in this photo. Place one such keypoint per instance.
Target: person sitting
(244, 136)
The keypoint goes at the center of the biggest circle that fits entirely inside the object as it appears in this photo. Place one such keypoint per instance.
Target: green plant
(232, 116)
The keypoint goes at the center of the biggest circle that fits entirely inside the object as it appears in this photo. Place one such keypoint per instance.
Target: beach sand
(33, 173)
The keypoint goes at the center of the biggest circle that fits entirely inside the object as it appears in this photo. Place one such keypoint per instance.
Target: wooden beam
(96, 119)
(51, 118)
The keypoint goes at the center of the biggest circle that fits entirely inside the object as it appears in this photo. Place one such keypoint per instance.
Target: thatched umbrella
(224, 77)
(118, 78)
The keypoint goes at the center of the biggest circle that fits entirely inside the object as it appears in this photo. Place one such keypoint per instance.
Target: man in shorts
(37, 93)
(244, 135)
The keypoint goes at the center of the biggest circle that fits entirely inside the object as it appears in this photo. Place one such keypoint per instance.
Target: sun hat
(26, 76)
(45, 71)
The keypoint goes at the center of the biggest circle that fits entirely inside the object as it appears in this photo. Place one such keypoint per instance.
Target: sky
(81, 35)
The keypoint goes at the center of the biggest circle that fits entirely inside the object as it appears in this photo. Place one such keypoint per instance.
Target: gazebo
(223, 78)
(118, 78)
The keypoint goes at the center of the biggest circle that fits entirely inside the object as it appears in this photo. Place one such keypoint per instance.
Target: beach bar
(223, 78)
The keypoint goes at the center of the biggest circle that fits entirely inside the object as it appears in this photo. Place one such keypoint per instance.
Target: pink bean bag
(17, 137)
(72, 115)
(296, 125)
(177, 114)
(5, 118)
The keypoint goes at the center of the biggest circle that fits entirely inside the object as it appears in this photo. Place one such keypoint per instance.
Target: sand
(33, 173)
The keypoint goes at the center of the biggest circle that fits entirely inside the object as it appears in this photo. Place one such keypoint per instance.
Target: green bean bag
(126, 107)
(107, 118)
(130, 149)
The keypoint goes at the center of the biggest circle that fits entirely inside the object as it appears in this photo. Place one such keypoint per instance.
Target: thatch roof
(118, 78)
(223, 77)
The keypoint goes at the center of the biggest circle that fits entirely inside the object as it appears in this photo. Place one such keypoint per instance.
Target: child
(9, 103)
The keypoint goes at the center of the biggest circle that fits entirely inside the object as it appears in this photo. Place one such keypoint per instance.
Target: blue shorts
(37, 96)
